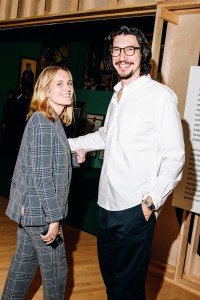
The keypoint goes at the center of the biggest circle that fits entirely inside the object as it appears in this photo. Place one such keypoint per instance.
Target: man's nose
(122, 54)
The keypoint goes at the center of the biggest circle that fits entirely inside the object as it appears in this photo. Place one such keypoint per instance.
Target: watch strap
(150, 205)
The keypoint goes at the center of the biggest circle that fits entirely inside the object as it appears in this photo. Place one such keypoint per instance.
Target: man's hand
(81, 153)
(146, 211)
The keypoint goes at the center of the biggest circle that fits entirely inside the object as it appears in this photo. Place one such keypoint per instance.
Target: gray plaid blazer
(41, 179)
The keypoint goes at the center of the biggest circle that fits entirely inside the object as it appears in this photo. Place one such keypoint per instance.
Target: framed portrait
(54, 54)
(96, 76)
(28, 73)
(92, 123)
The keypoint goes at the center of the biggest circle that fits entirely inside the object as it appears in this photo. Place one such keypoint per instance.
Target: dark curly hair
(145, 49)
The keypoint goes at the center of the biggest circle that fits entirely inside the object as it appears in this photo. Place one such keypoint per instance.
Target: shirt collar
(136, 82)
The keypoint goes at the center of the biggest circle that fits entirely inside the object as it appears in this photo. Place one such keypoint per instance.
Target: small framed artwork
(92, 154)
(96, 76)
(77, 112)
(101, 154)
(54, 54)
(76, 128)
(28, 73)
(92, 124)
(72, 128)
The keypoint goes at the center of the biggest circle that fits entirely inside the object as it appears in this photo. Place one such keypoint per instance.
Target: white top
(144, 147)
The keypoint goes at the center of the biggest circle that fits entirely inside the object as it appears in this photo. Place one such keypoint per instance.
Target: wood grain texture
(84, 278)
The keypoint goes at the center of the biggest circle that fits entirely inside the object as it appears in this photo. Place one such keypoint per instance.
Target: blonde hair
(39, 100)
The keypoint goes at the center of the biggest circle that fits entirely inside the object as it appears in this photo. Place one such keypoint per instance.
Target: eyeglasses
(129, 51)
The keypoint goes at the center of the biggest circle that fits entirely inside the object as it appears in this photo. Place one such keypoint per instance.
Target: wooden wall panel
(41, 7)
(93, 4)
(5, 7)
(182, 47)
(166, 235)
(182, 50)
(61, 6)
(14, 9)
(27, 8)
(133, 2)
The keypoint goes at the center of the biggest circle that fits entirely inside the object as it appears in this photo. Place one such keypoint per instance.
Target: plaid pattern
(42, 175)
(32, 252)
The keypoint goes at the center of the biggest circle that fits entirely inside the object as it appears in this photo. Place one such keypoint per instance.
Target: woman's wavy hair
(39, 101)
(145, 49)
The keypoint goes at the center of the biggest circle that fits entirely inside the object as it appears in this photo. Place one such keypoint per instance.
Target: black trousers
(124, 240)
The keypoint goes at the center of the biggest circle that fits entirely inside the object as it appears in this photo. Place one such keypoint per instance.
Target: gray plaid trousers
(32, 252)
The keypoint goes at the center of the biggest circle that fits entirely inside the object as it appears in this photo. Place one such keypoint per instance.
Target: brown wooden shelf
(125, 11)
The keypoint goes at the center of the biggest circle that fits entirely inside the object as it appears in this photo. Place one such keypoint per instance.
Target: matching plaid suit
(38, 196)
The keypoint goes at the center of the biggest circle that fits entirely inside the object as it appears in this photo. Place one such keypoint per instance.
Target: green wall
(10, 59)
(78, 54)
(85, 196)
(96, 103)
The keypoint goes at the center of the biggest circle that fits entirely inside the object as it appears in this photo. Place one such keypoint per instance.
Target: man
(143, 160)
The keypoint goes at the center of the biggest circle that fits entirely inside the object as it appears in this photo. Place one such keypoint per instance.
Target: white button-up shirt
(144, 147)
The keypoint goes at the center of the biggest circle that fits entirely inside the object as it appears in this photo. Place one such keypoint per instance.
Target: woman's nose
(67, 87)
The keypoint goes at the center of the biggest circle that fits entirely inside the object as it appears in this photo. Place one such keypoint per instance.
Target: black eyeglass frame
(135, 48)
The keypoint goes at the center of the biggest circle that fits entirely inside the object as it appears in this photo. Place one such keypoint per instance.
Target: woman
(40, 187)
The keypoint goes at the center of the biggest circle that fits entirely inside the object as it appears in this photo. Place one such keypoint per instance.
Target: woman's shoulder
(38, 119)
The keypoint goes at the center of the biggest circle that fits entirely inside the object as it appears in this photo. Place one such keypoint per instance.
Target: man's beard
(127, 76)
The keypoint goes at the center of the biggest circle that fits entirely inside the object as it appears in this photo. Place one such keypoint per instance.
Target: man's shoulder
(161, 88)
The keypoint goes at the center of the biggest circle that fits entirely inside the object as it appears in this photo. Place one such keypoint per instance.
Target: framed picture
(76, 128)
(54, 54)
(96, 76)
(72, 129)
(92, 123)
(28, 73)
(101, 154)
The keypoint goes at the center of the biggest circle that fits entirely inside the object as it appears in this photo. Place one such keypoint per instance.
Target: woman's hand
(53, 231)
(81, 153)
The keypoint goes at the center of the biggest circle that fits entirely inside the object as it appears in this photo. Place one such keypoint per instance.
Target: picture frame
(101, 154)
(92, 123)
(28, 73)
(76, 128)
(72, 129)
(96, 76)
(54, 54)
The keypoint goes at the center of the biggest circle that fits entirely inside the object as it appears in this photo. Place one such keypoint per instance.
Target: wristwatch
(150, 205)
